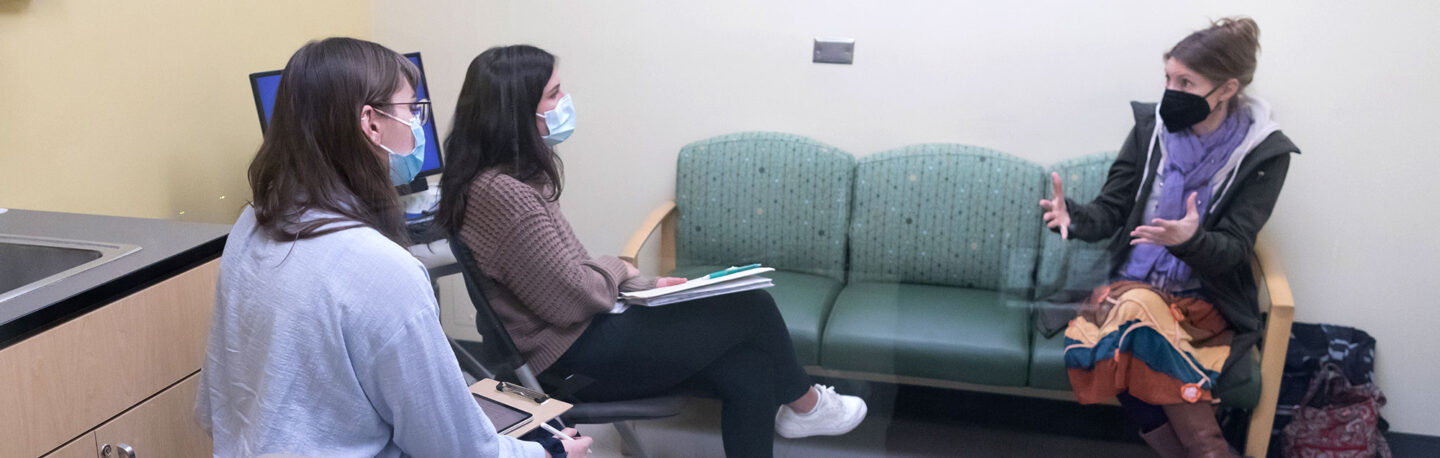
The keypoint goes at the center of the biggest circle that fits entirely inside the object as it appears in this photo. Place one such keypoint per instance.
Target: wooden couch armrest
(663, 218)
(1272, 355)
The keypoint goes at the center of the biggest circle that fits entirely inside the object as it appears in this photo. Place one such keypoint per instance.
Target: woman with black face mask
(1193, 184)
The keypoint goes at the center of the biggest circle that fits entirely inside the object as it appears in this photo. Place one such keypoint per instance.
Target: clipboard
(539, 412)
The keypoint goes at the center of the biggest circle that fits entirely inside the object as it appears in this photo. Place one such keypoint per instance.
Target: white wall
(1353, 84)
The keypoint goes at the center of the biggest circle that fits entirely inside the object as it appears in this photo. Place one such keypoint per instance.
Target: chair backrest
(762, 197)
(946, 214)
(497, 352)
(1073, 265)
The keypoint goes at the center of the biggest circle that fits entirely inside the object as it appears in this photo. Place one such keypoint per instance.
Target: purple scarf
(1190, 163)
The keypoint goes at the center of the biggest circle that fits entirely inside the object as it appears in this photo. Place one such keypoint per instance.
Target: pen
(731, 271)
(556, 432)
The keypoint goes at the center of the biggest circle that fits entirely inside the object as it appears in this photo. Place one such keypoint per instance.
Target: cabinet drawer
(162, 426)
(59, 384)
(81, 447)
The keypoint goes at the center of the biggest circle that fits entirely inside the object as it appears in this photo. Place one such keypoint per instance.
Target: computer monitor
(264, 85)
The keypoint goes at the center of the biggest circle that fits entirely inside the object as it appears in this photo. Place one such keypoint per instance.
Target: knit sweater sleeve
(520, 245)
(563, 287)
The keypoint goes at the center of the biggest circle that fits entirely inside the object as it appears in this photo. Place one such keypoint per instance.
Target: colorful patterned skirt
(1161, 348)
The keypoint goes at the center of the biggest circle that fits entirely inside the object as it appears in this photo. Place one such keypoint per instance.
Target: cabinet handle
(105, 451)
(126, 451)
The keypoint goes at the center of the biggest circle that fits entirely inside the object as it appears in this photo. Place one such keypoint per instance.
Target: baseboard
(1404, 445)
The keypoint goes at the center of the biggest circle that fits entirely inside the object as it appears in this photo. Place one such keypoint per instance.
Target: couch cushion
(943, 214)
(935, 332)
(777, 199)
(1047, 371)
(1047, 362)
(803, 299)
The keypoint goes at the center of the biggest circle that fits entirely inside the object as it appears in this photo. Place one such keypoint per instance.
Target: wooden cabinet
(163, 426)
(132, 358)
(81, 447)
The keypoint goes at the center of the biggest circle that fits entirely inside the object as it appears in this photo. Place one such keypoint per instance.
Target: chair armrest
(1272, 355)
(662, 217)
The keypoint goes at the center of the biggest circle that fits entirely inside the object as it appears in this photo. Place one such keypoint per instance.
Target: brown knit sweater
(543, 284)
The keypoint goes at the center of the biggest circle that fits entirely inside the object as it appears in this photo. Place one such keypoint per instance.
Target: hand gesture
(1055, 212)
(1166, 232)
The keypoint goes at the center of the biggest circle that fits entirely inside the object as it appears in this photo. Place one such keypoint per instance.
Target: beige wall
(1352, 84)
(142, 108)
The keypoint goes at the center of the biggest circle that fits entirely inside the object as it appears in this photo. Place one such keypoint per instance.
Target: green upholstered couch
(918, 265)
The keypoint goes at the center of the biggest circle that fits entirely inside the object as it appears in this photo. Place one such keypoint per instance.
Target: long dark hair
(315, 157)
(495, 128)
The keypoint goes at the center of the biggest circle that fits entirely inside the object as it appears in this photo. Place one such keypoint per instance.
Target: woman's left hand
(1165, 232)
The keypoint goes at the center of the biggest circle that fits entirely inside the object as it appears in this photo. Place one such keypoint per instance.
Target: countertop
(166, 249)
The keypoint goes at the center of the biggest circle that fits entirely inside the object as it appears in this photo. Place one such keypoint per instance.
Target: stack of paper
(699, 288)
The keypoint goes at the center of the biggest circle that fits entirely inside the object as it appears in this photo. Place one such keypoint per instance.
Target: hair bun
(1241, 27)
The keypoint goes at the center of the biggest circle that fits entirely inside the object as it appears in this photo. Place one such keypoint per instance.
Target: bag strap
(1322, 378)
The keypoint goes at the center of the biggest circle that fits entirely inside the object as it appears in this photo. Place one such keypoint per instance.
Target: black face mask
(1180, 109)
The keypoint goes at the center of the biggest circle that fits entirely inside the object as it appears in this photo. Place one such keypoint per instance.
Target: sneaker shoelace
(822, 392)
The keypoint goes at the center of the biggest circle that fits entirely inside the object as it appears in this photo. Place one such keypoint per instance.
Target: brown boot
(1195, 426)
(1164, 441)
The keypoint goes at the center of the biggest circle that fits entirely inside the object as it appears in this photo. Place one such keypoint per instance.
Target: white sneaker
(833, 415)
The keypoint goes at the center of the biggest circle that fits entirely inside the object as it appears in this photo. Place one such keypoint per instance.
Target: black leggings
(735, 346)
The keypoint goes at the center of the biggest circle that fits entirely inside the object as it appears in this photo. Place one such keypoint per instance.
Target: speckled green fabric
(946, 214)
(1082, 179)
(761, 197)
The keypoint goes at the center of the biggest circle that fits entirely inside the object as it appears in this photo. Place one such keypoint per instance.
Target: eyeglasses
(419, 109)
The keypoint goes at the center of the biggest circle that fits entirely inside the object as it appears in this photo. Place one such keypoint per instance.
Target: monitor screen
(264, 85)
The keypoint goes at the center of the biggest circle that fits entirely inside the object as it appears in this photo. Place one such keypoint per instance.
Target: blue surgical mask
(404, 167)
(560, 121)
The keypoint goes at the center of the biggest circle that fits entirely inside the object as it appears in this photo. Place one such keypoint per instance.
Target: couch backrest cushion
(777, 199)
(946, 214)
(1073, 262)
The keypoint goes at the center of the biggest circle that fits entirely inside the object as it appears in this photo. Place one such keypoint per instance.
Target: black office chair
(498, 353)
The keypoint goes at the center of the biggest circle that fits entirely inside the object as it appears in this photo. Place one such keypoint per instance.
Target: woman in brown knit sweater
(500, 197)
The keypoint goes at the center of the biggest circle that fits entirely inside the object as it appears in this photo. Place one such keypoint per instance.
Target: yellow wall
(142, 107)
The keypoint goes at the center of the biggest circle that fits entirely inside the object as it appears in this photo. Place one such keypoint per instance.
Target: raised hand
(1165, 232)
(1055, 212)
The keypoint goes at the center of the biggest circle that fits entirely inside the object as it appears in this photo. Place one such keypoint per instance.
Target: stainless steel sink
(27, 263)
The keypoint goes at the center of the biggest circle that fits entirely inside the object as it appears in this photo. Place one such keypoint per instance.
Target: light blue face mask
(560, 120)
(404, 168)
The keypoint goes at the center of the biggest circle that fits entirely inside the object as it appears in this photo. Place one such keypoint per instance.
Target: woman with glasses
(325, 339)
(500, 197)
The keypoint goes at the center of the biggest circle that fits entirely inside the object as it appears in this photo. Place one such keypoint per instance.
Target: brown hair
(316, 167)
(1222, 51)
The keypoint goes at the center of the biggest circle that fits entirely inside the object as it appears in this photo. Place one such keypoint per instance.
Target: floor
(910, 422)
